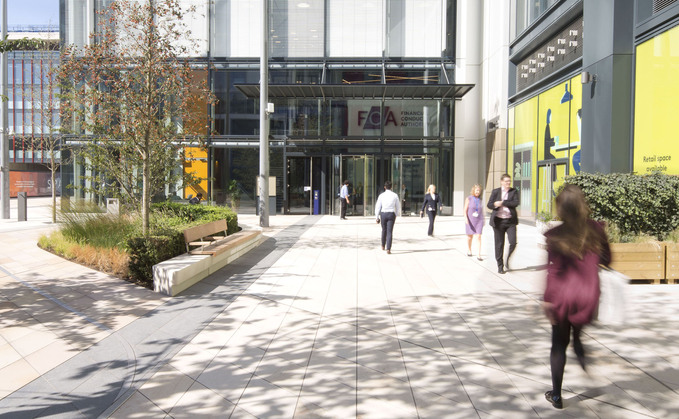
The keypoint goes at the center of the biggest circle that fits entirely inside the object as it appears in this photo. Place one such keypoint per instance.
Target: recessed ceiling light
(303, 5)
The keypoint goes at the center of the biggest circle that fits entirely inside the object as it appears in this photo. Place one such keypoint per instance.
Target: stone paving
(319, 322)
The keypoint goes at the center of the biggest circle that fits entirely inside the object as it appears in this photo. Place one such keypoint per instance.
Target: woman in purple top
(574, 251)
(473, 221)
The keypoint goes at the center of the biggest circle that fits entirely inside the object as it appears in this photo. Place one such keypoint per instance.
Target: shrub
(146, 251)
(636, 204)
(204, 213)
(167, 225)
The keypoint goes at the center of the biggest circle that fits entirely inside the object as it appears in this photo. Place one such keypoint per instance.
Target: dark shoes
(388, 251)
(501, 270)
(554, 400)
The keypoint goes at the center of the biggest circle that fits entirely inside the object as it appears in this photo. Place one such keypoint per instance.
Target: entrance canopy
(360, 91)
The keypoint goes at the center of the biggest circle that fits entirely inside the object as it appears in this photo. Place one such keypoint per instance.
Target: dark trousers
(431, 215)
(343, 208)
(387, 220)
(557, 356)
(504, 226)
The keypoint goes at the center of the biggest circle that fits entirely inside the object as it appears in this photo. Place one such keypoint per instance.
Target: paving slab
(319, 322)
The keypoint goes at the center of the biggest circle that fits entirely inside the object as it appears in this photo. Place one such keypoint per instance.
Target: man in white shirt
(344, 200)
(388, 207)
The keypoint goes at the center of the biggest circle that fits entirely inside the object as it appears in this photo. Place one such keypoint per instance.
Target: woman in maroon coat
(574, 251)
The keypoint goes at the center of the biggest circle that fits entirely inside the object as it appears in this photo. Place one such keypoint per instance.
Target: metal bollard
(21, 203)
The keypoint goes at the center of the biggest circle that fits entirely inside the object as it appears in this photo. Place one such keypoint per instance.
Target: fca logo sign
(373, 119)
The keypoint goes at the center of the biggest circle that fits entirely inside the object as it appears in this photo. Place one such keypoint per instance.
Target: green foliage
(545, 217)
(203, 213)
(635, 204)
(29, 44)
(167, 224)
(146, 251)
(97, 229)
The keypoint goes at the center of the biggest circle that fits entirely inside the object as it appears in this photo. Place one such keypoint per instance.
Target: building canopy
(360, 91)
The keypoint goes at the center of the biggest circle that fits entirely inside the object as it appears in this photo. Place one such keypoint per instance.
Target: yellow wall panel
(656, 105)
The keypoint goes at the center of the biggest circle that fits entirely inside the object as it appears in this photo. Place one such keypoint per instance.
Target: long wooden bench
(210, 253)
(205, 237)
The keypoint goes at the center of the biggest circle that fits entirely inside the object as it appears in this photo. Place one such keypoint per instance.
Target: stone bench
(174, 275)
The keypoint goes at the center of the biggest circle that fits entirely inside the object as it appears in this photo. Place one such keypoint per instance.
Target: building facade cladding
(318, 143)
(609, 108)
(33, 115)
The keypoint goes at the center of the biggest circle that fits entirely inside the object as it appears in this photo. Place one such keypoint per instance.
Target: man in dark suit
(503, 201)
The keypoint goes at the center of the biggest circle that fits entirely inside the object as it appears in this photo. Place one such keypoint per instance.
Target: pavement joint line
(57, 301)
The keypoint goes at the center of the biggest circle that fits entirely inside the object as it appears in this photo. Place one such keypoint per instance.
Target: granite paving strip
(105, 374)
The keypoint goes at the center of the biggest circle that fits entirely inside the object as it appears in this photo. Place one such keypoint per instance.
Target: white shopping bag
(613, 299)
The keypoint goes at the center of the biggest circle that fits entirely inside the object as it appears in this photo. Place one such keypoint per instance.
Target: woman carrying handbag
(575, 249)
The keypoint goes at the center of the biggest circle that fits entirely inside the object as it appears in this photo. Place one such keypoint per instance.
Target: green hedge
(147, 251)
(637, 204)
(167, 241)
(203, 213)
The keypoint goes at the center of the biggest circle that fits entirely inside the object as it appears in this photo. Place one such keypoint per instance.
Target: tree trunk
(54, 192)
(145, 195)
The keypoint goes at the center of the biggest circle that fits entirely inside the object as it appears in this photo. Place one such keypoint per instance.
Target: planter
(640, 260)
(672, 262)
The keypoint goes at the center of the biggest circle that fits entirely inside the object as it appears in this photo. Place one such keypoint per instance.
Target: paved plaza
(318, 322)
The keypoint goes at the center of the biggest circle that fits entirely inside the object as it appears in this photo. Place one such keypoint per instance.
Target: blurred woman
(473, 221)
(574, 251)
(431, 204)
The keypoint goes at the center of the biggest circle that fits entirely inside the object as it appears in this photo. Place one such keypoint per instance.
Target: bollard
(21, 202)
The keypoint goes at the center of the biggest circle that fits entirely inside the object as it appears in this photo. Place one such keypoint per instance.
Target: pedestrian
(196, 199)
(387, 208)
(432, 203)
(344, 199)
(473, 221)
(574, 250)
(503, 201)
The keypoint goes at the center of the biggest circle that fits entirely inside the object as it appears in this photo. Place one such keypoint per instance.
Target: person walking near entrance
(344, 200)
(432, 203)
(473, 221)
(575, 249)
(503, 201)
(387, 208)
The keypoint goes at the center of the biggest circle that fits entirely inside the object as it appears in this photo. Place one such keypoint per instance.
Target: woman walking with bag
(431, 204)
(574, 251)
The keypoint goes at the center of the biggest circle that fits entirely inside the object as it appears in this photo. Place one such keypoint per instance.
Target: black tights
(557, 356)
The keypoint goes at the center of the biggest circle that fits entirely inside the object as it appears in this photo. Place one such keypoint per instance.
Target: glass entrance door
(411, 175)
(360, 172)
(299, 185)
(550, 178)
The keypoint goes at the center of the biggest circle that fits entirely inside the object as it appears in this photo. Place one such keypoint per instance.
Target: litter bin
(22, 203)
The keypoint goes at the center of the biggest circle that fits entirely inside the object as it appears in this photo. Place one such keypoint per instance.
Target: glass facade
(33, 107)
(321, 42)
(527, 12)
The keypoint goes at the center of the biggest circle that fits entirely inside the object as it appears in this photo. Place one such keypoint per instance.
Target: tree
(133, 95)
(49, 142)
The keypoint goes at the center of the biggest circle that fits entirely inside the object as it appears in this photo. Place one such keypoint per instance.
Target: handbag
(612, 300)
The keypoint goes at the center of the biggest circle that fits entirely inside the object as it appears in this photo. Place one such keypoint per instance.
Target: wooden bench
(210, 254)
(204, 237)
